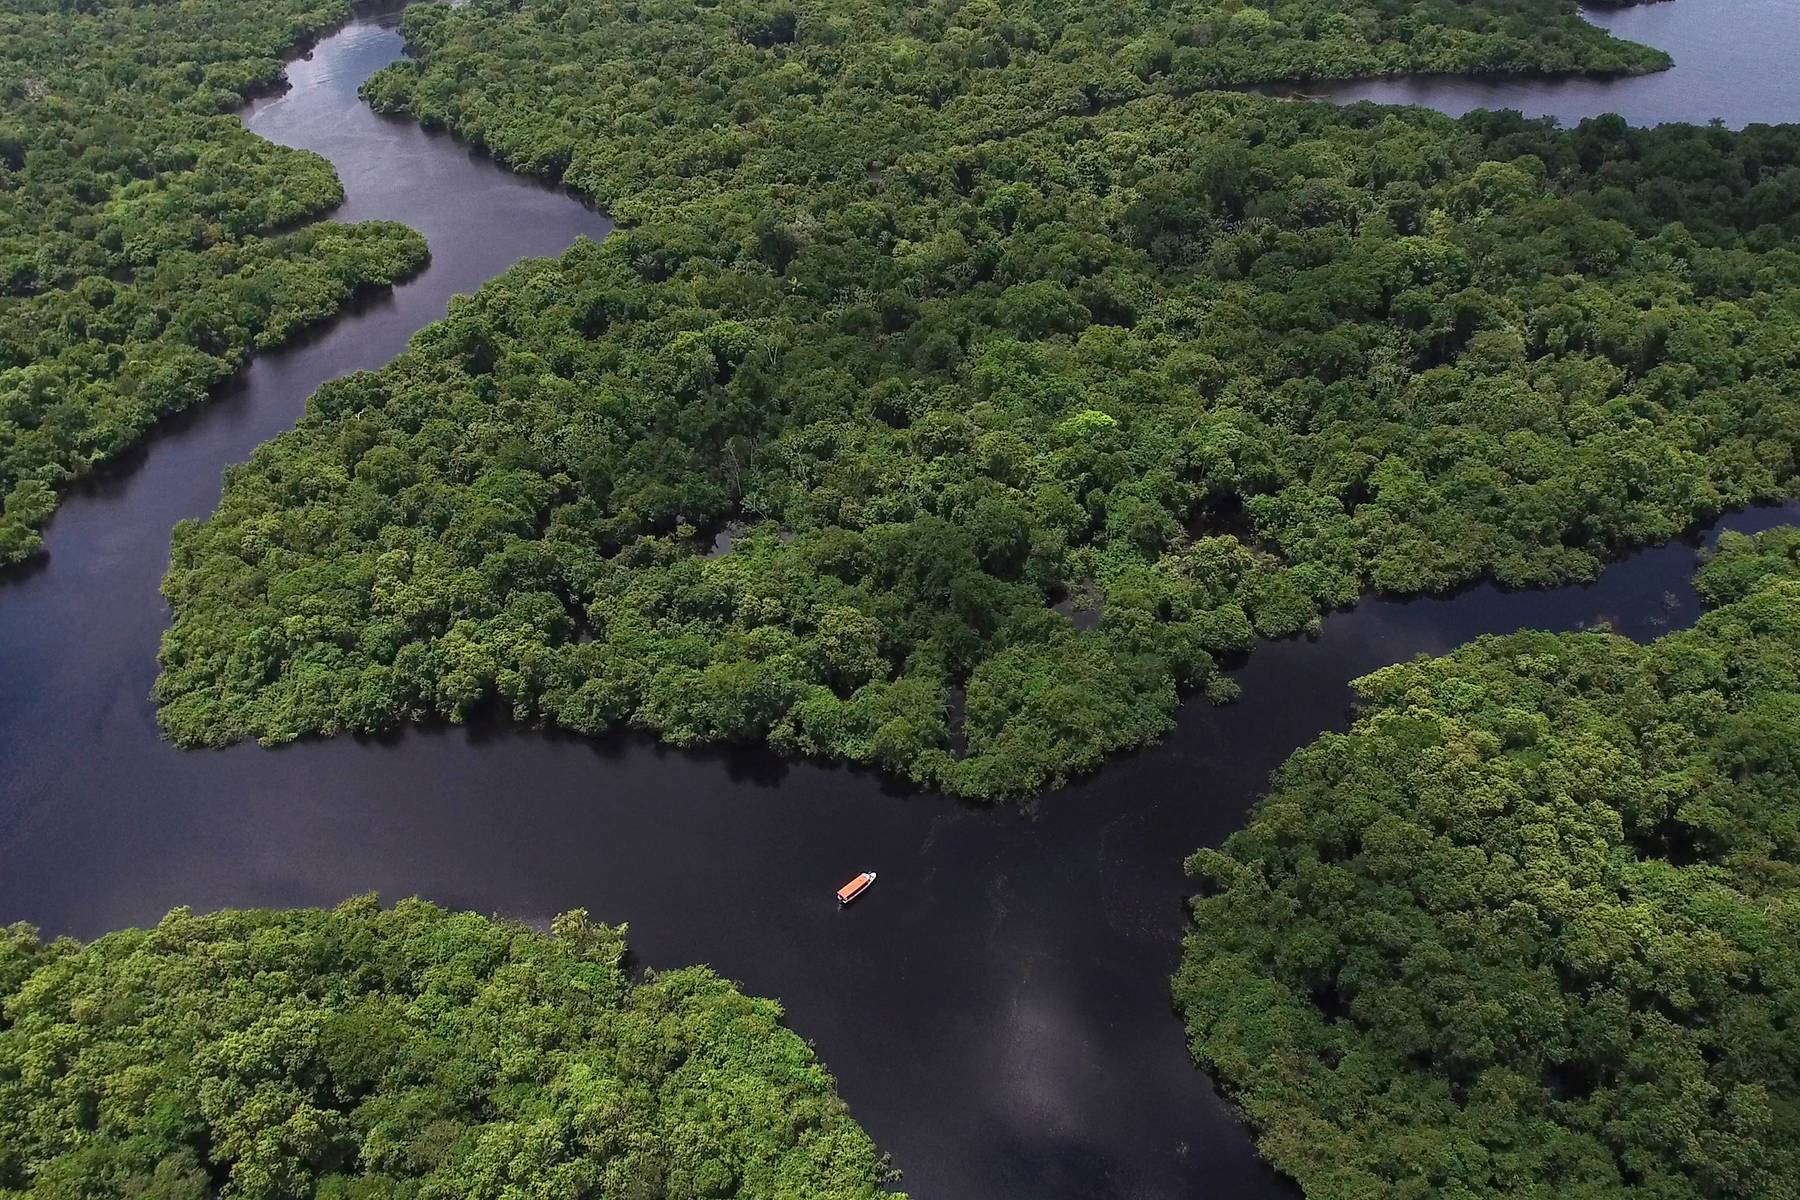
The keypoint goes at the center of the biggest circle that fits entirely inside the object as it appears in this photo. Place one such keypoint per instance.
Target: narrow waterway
(996, 1009)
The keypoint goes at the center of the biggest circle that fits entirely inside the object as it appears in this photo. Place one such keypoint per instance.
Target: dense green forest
(644, 106)
(362, 1053)
(1532, 927)
(142, 252)
(944, 315)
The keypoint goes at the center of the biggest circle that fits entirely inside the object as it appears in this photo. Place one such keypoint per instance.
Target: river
(1734, 63)
(996, 1009)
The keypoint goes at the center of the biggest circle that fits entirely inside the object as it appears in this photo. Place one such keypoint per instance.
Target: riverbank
(1733, 66)
(996, 1012)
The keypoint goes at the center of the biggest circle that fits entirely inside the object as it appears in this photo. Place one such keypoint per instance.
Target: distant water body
(1736, 61)
(996, 1010)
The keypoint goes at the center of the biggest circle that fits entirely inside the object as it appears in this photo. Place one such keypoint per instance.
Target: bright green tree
(1532, 927)
(407, 1053)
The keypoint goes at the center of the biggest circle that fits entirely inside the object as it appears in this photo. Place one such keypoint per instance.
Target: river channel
(996, 1010)
(1734, 63)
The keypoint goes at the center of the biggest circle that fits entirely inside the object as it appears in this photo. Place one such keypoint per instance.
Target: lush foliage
(1532, 928)
(359, 1054)
(789, 91)
(959, 336)
(140, 252)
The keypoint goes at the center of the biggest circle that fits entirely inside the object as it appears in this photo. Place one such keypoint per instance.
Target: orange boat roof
(854, 887)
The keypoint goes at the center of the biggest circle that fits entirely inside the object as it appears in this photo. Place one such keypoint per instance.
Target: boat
(855, 887)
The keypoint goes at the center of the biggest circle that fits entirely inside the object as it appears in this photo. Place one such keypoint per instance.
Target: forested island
(944, 316)
(148, 242)
(1532, 927)
(401, 1054)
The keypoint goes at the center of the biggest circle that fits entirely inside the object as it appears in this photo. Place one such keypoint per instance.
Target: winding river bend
(997, 1011)
(1734, 63)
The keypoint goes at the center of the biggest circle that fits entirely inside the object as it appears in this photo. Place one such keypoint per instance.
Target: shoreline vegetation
(1532, 926)
(927, 322)
(407, 1054)
(959, 310)
(149, 243)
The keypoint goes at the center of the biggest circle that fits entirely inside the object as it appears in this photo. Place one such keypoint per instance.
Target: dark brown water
(996, 1008)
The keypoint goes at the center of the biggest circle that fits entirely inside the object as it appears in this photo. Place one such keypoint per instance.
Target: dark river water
(996, 1009)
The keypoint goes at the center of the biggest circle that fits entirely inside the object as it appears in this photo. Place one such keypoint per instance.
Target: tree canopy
(401, 1054)
(673, 100)
(1532, 927)
(944, 315)
(142, 244)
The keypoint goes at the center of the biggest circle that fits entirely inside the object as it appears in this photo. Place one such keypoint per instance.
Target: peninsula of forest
(967, 384)
(149, 243)
(406, 1053)
(1532, 926)
(948, 317)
